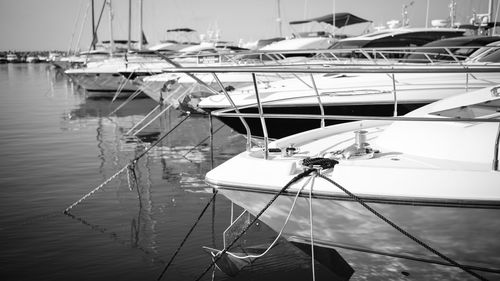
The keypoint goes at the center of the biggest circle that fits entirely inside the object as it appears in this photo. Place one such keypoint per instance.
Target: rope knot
(323, 163)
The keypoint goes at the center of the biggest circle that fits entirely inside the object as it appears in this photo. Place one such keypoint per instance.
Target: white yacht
(12, 58)
(418, 196)
(102, 78)
(351, 90)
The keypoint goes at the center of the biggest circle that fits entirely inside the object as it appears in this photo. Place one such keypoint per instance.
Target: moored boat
(351, 89)
(13, 58)
(417, 193)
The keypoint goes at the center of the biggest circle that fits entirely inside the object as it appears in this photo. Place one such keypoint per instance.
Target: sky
(41, 25)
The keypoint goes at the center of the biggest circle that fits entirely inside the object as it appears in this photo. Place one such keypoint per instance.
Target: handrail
(345, 54)
(495, 152)
(321, 108)
(222, 113)
(261, 116)
(390, 69)
(247, 128)
(339, 69)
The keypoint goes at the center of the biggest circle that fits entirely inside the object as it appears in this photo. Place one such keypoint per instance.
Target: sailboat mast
(427, 14)
(334, 10)
(490, 17)
(452, 6)
(140, 25)
(111, 41)
(129, 24)
(279, 18)
(93, 26)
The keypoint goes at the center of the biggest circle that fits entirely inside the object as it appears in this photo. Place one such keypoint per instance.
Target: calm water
(56, 146)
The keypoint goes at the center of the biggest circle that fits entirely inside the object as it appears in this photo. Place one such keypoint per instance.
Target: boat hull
(105, 85)
(467, 232)
(283, 127)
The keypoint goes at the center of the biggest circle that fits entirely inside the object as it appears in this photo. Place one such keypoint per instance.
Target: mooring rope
(313, 270)
(130, 98)
(402, 231)
(142, 120)
(152, 120)
(131, 164)
(218, 257)
(94, 190)
(203, 141)
(281, 230)
(162, 137)
(122, 86)
(187, 236)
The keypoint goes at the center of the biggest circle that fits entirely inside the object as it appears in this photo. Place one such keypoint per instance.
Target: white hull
(104, 76)
(468, 235)
(357, 88)
(104, 82)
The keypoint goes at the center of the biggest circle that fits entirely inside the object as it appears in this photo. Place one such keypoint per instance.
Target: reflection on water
(57, 146)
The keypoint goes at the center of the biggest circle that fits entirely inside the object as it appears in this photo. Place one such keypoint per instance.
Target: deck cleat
(357, 151)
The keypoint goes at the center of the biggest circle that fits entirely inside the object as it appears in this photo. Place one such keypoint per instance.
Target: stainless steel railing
(307, 69)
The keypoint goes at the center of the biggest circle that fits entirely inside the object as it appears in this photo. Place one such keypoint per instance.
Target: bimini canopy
(181, 30)
(341, 19)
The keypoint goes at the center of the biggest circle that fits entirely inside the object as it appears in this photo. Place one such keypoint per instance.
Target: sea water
(56, 146)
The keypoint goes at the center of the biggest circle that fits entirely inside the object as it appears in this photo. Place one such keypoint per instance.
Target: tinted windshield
(492, 56)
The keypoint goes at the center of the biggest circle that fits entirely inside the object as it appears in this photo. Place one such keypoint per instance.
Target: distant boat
(79, 60)
(399, 37)
(377, 191)
(32, 59)
(12, 58)
(460, 48)
(177, 39)
(102, 79)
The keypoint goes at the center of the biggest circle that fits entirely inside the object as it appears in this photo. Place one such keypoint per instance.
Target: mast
(129, 24)
(333, 19)
(93, 26)
(111, 41)
(490, 17)
(140, 25)
(427, 15)
(452, 6)
(490, 10)
(279, 18)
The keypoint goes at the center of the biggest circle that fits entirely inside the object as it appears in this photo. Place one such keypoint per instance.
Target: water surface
(56, 146)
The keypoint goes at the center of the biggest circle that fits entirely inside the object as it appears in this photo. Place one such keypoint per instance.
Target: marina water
(56, 146)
